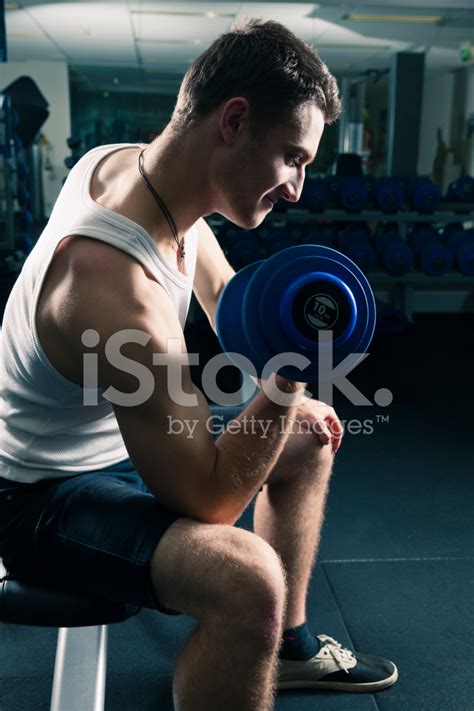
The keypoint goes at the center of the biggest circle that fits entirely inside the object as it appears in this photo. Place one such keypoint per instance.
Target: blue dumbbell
(394, 255)
(389, 194)
(370, 183)
(285, 303)
(23, 170)
(354, 241)
(433, 257)
(461, 190)
(26, 220)
(464, 258)
(315, 195)
(460, 242)
(23, 196)
(353, 194)
(425, 196)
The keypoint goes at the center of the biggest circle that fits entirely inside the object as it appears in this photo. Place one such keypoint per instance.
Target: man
(97, 493)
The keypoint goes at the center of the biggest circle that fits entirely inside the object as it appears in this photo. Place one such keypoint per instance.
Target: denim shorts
(93, 532)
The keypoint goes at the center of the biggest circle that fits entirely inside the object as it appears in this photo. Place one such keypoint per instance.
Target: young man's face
(271, 168)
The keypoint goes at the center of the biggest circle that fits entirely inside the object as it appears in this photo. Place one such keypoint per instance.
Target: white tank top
(47, 431)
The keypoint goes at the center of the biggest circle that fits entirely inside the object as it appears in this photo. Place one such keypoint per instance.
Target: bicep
(141, 346)
(163, 416)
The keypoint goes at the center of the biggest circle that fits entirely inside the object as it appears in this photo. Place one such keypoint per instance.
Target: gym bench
(81, 652)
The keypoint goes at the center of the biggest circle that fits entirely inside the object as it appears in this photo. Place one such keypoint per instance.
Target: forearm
(249, 448)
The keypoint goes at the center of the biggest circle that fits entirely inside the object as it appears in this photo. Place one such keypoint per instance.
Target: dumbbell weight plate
(263, 327)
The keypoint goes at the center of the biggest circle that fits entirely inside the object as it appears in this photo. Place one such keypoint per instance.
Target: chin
(246, 222)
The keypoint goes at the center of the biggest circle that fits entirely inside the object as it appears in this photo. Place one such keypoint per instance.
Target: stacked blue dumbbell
(315, 196)
(460, 243)
(354, 241)
(432, 257)
(370, 183)
(461, 190)
(394, 255)
(389, 194)
(424, 195)
(353, 194)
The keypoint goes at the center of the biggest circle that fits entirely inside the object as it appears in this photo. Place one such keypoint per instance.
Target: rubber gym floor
(395, 571)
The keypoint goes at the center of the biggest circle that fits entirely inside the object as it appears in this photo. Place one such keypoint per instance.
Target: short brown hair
(268, 65)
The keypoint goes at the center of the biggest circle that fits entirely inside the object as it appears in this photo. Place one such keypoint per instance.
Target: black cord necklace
(163, 208)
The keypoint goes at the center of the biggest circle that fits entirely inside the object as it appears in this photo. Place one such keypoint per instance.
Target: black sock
(299, 643)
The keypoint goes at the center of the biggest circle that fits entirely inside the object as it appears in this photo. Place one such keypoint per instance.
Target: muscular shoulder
(92, 285)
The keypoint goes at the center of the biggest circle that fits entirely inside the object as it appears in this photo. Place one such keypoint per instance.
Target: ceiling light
(116, 81)
(148, 40)
(183, 13)
(417, 19)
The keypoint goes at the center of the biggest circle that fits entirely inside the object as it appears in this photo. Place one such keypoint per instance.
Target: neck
(176, 168)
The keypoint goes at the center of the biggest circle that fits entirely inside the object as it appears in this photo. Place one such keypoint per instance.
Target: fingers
(329, 428)
(321, 429)
(337, 430)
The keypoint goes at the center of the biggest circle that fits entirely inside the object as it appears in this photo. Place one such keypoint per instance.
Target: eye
(295, 160)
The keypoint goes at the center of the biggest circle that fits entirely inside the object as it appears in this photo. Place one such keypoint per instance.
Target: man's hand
(315, 416)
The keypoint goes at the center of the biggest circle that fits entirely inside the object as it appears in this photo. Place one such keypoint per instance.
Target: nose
(293, 188)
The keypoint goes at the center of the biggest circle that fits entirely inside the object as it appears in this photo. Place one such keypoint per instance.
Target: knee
(256, 581)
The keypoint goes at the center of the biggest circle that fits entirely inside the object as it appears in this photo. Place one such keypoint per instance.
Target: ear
(234, 119)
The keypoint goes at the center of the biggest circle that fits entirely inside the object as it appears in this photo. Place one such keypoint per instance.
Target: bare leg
(289, 514)
(220, 669)
(233, 582)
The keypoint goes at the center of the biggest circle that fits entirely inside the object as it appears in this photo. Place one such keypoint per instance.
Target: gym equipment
(389, 194)
(353, 194)
(460, 243)
(23, 196)
(282, 304)
(81, 653)
(453, 232)
(23, 170)
(354, 241)
(315, 195)
(464, 257)
(394, 255)
(333, 185)
(433, 257)
(424, 195)
(461, 190)
(31, 106)
(370, 183)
